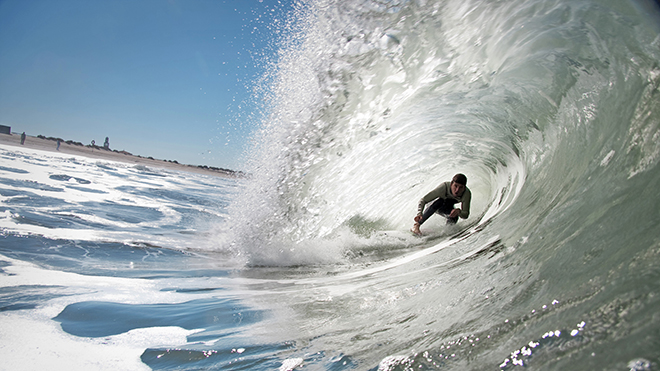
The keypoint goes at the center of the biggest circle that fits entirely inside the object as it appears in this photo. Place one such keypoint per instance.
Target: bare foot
(415, 229)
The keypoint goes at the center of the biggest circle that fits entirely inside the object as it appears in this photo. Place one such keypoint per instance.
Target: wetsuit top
(444, 191)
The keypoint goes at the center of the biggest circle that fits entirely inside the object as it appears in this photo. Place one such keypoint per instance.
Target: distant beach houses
(106, 147)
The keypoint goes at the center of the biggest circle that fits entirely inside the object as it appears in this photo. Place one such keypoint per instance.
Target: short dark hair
(460, 179)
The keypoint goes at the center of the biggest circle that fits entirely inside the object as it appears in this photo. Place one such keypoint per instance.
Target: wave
(374, 103)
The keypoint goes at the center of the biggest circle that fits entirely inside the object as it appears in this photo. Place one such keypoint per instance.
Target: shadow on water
(98, 319)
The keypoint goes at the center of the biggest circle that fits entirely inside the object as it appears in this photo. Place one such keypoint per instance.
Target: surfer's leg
(435, 206)
(445, 209)
(441, 206)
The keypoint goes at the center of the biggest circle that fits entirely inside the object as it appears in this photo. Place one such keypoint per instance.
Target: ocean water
(551, 109)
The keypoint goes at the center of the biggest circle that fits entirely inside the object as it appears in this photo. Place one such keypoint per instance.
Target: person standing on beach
(23, 138)
(58, 144)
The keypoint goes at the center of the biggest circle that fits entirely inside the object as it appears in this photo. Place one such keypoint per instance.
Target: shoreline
(50, 145)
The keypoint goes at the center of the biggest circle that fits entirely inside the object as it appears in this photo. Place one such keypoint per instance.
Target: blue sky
(169, 79)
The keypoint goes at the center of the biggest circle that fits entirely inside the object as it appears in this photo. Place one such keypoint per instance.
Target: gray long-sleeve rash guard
(444, 191)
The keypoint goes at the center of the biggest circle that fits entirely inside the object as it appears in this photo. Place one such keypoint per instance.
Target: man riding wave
(446, 195)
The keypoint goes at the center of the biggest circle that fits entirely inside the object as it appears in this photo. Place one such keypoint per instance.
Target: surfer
(446, 195)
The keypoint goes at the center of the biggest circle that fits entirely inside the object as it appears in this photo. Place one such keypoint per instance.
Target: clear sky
(169, 79)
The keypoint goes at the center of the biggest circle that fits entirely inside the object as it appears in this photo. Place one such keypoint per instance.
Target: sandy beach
(45, 144)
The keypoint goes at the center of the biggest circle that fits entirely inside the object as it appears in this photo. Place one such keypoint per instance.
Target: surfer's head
(458, 184)
(460, 179)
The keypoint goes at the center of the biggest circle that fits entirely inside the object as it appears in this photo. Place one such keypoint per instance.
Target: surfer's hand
(418, 218)
(454, 213)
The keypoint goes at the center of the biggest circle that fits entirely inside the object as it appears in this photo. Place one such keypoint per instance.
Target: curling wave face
(375, 103)
(549, 107)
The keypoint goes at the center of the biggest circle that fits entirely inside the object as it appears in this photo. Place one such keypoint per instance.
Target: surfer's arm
(465, 204)
(436, 193)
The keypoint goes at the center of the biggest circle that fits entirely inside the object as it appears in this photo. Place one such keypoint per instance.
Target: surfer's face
(457, 189)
